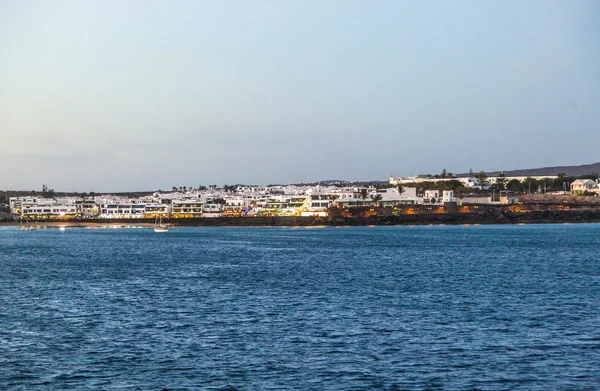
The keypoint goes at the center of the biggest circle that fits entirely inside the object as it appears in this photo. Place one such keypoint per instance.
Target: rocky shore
(381, 216)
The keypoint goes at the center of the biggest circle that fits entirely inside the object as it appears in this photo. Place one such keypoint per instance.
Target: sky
(125, 95)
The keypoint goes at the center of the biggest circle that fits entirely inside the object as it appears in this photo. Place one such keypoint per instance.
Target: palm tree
(400, 191)
(501, 182)
(482, 179)
(364, 194)
(376, 199)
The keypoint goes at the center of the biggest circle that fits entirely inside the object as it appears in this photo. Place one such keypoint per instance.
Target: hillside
(569, 170)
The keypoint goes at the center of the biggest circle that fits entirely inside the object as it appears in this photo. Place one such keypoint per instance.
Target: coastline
(484, 216)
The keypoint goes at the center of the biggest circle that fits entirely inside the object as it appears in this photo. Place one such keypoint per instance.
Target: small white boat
(159, 227)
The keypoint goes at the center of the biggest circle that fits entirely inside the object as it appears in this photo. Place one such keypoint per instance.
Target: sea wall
(482, 215)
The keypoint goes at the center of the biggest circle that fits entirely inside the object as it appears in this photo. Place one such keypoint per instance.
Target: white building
(469, 182)
(391, 196)
(43, 208)
(580, 186)
(466, 182)
(31, 212)
(448, 196)
(189, 208)
(122, 210)
(237, 204)
(318, 204)
(210, 209)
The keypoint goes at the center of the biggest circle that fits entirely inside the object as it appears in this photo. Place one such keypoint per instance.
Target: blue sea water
(381, 308)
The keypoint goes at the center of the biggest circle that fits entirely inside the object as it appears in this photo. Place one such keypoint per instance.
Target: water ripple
(384, 308)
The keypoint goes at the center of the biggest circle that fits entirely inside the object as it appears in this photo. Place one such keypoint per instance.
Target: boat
(158, 225)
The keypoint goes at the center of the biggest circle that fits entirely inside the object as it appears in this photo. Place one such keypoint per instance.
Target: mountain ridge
(583, 169)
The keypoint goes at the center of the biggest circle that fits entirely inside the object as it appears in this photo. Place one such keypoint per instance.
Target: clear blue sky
(126, 95)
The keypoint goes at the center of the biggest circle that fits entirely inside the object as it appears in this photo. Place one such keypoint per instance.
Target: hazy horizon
(142, 95)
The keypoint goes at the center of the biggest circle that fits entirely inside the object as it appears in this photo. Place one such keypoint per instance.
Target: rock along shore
(484, 215)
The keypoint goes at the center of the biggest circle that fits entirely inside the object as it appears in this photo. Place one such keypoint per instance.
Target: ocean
(360, 308)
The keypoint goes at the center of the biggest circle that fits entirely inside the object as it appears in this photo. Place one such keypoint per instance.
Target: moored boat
(159, 227)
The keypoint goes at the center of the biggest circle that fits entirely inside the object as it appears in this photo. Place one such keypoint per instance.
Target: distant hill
(328, 182)
(584, 169)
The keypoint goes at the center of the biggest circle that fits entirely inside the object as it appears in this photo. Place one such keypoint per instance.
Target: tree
(400, 189)
(514, 185)
(500, 182)
(482, 179)
(562, 182)
(376, 199)
(49, 193)
(530, 182)
(452, 184)
(471, 173)
(592, 176)
(444, 174)
(174, 189)
(364, 194)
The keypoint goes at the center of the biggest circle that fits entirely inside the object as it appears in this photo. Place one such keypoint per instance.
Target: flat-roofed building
(186, 208)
